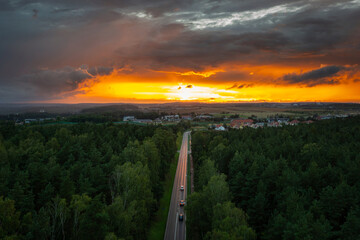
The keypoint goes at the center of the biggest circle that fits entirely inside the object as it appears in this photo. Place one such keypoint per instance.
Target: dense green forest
(295, 182)
(82, 181)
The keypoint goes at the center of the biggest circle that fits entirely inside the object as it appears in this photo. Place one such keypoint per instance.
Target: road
(175, 229)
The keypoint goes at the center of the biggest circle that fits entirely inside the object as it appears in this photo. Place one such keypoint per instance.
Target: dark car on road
(181, 217)
(182, 203)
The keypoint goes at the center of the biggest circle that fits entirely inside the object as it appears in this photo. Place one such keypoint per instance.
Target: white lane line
(177, 216)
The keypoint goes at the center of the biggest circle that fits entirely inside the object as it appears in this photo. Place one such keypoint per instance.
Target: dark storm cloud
(271, 41)
(231, 76)
(307, 34)
(100, 70)
(35, 13)
(315, 77)
(188, 50)
(51, 83)
(316, 34)
(184, 35)
(5, 6)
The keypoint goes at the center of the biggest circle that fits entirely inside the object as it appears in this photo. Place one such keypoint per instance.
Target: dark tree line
(296, 182)
(84, 181)
(210, 212)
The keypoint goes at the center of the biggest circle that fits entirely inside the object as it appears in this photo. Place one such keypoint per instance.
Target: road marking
(177, 217)
(185, 226)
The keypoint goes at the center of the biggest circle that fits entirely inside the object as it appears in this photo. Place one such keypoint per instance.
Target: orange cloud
(204, 74)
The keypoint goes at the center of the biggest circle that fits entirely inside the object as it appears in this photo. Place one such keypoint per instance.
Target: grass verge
(188, 177)
(179, 140)
(188, 172)
(157, 228)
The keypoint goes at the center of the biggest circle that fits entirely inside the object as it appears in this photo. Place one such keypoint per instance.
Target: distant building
(219, 127)
(274, 124)
(171, 118)
(147, 121)
(157, 121)
(239, 123)
(294, 122)
(284, 121)
(327, 117)
(204, 117)
(308, 121)
(129, 118)
(259, 124)
(18, 122)
(30, 120)
(270, 120)
(186, 117)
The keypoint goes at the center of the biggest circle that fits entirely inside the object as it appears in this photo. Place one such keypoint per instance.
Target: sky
(65, 51)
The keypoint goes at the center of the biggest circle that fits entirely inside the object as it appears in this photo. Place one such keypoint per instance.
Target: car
(181, 217)
(182, 188)
(182, 203)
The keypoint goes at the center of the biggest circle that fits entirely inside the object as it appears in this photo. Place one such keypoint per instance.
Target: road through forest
(175, 229)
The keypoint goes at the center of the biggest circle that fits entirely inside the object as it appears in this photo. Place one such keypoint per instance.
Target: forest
(295, 182)
(82, 181)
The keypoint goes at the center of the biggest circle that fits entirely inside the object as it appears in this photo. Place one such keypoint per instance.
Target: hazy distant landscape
(243, 109)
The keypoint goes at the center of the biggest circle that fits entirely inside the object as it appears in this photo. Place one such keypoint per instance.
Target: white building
(128, 118)
(171, 118)
(30, 120)
(187, 117)
(220, 128)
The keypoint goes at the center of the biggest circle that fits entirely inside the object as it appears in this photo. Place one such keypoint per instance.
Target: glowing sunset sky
(162, 50)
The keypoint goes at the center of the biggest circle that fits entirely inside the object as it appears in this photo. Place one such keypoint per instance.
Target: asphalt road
(176, 229)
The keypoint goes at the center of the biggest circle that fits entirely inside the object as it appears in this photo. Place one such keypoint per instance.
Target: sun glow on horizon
(120, 87)
(189, 92)
(161, 92)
